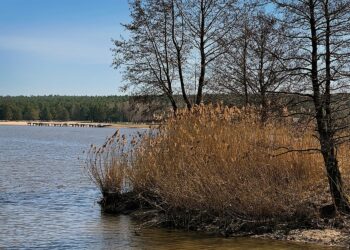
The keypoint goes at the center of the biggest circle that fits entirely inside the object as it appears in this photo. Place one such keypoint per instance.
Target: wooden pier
(68, 124)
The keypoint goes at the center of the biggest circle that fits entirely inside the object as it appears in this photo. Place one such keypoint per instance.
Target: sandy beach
(110, 125)
(13, 123)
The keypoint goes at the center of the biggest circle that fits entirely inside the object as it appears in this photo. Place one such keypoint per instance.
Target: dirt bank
(327, 232)
(326, 235)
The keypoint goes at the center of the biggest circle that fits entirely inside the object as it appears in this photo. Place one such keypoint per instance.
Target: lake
(47, 201)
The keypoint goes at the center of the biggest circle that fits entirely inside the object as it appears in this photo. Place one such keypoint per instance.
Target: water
(46, 200)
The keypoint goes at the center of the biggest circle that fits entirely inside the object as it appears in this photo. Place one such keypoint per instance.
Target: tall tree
(166, 36)
(62, 113)
(31, 113)
(7, 112)
(251, 68)
(209, 24)
(45, 114)
(182, 47)
(319, 30)
(17, 113)
(265, 71)
(230, 73)
(147, 56)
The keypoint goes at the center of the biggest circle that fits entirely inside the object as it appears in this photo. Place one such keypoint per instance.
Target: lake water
(46, 200)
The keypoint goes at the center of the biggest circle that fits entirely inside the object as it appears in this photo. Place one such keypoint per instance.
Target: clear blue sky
(59, 46)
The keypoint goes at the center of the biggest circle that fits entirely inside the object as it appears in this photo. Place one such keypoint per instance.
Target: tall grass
(221, 161)
(106, 165)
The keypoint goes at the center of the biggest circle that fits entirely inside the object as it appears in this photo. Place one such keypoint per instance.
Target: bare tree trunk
(334, 176)
(178, 49)
(327, 141)
(263, 101)
(173, 104)
(202, 55)
(264, 106)
(323, 116)
(182, 83)
(244, 64)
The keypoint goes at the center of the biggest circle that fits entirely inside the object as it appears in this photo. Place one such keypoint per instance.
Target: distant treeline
(76, 108)
(107, 108)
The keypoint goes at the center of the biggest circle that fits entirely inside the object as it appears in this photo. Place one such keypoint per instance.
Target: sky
(60, 47)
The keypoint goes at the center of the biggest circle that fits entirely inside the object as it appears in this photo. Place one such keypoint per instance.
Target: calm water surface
(46, 200)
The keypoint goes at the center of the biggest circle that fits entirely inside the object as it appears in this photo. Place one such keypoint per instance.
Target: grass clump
(221, 162)
(106, 165)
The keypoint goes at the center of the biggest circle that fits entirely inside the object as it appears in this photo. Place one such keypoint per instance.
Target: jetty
(68, 124)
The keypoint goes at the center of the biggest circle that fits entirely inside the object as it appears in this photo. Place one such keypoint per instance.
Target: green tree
(30, 113)
(62, 114)
(17, 113)
(84, 113)
(45, 114)
(75, 112)
(7, 112)
(98, 113)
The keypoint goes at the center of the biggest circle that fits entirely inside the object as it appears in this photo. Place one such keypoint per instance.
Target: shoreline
(323, 233)
(215, 170)
(82, 123)
(326, 236)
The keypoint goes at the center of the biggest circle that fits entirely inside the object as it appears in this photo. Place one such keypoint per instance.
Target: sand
(13, 123)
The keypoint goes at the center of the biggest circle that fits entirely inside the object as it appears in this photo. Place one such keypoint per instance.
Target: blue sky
(59, 46)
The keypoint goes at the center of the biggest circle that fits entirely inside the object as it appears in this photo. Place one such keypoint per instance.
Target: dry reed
(106, 165)
(220, 161)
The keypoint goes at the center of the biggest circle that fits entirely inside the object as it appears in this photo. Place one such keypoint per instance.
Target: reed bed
(220, 161)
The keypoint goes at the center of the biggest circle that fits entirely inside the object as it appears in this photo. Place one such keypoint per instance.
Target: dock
(68, 124)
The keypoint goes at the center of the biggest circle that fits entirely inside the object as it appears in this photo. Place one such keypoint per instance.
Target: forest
(64, 108)
(97, 108)
(74, 108)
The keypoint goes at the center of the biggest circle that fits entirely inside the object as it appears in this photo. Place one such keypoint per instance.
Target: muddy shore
(323, 236)
(321, 231)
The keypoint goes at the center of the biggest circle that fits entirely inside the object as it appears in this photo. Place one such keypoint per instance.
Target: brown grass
(220, 161)
(106, 165)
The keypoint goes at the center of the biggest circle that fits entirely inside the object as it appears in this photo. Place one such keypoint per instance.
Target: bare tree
(147, 56)
(230, 72)
(182, 47)
(252, 68)
(164, 38)
(266, 72)
(319, 30)
(209, 24)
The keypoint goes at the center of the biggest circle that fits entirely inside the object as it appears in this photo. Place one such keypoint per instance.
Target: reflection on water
(46, 201)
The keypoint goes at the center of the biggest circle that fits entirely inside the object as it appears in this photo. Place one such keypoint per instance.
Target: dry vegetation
(106, 165)
(219, 161)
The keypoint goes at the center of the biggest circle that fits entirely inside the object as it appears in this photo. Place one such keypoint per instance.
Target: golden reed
(222, 161)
